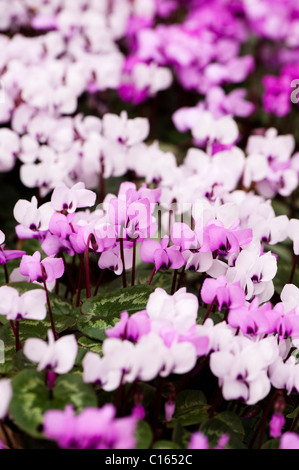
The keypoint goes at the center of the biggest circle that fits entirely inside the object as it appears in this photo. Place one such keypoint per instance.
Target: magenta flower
(289, 440)
(33, 267)
(6, 255)
(276, 424)
(226, 240)
(200, 441)
(227, 295)
(131, 328)
(161, 255)
(93, 428)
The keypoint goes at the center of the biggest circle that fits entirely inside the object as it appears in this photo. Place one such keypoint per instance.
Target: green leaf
(161, 279)
(131, 299)
(102, 312)
(8, 338)
(90, 344)
(214, 428)
(70, 389)
(191, 408)
(233, 421)
(143, 435)
(30, 401)
(271, 444)
(95, 327)
(34, 329)
(163, 444)
(180, 435)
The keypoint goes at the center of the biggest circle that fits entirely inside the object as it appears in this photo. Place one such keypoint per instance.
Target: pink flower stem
(181, 278)
(87, 275)
(69, 271)
(6, 273)
(121, 241)
(174, 279)
(16, 332)
(134, 262)
(157, 406)
(209, 309)
(79, 279)
(262, 424)
(151, 276)
(295, 259)
(49, 304)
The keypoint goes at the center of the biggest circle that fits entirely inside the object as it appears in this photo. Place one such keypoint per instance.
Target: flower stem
(174, 279)
(79, 279)
(16, 332)
(49, 304)
(295, 259)
(262, 424)
(209, 309)
(134, 263)
(121, 241)
(6, 273)
(157, 405)
(151, 276)
(87, 275)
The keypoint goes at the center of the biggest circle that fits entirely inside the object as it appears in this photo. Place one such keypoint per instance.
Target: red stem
(151, 276)
(49, 304)
(209, 309)
(87, 275)
(121, 241)
(134, 262)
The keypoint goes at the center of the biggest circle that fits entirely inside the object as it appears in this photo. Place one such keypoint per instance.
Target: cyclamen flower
(228, 295)
(161, 255)
(289, 440)
(31, 305)
(276, 424)
(132, 327)
(58, 356)
(93, 428)
(37, 269)
(69, 199)
(123, 130)
(242, 368)
(200, 441)
(32, 217)
(6, 255)
(124, 362)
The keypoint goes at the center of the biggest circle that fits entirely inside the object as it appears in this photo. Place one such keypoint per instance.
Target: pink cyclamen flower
(276, 424)
(58, 356)
(227, 295)
(6, 255)
(131, 328)
(200, 441)
(33, 267)
(163, 256)
(93, 428)
(69, 199)
(289, 440)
